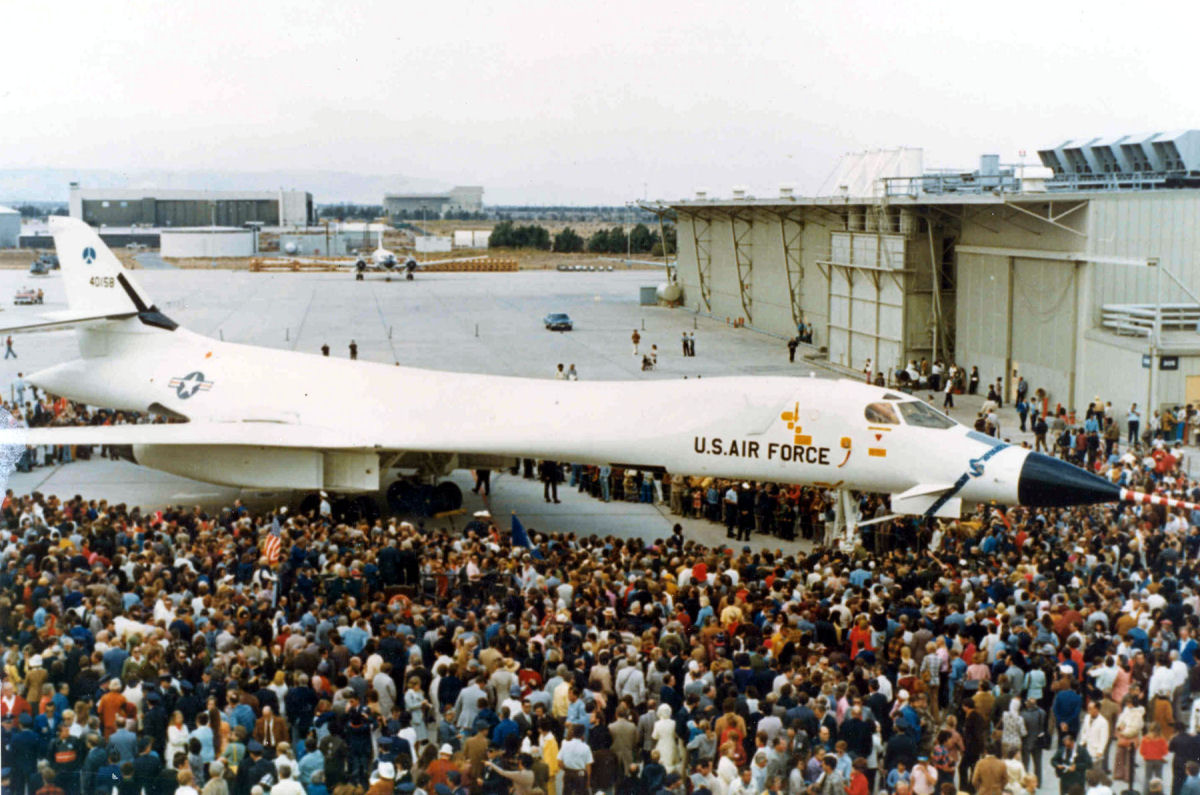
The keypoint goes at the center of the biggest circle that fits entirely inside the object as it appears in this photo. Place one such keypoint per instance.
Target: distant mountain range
(19, 185)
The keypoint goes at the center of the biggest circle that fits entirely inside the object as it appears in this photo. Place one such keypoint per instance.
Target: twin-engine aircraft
(262, 418)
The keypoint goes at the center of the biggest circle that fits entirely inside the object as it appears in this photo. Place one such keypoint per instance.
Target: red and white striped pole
(1141, 498)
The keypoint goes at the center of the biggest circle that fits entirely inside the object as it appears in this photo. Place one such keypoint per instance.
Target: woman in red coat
(858, 779)
(860, 637)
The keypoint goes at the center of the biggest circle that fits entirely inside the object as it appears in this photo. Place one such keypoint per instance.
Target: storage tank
(208, 242)
(669, 292)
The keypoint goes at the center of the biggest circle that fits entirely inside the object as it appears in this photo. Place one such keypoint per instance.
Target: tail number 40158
(102, 281)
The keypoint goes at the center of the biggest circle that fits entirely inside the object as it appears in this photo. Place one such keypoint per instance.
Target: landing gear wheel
(401, 496)
(388, 279)
(425, 503)
(409, 277)
(358, 277)
(447, 496)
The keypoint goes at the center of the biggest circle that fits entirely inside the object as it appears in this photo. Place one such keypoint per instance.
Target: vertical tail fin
(94, 279)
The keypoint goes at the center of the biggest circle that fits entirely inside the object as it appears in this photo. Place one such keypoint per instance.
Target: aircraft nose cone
(1051, 482)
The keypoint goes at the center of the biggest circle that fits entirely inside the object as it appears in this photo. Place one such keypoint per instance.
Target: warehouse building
(209, 242)
(464, 198)
(10, 227)
(172, 208)
(1058, 277)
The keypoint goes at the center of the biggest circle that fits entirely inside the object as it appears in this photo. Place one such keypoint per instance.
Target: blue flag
(520, 538)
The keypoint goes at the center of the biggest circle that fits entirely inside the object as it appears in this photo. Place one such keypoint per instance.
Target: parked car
(558, 321)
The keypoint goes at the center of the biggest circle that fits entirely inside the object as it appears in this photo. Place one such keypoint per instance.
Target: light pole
(212, 234)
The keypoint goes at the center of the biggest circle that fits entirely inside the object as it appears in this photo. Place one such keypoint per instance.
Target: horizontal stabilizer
(919, 499)
(70, 318)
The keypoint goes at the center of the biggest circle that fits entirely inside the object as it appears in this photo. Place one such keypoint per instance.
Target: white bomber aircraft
(262, 418)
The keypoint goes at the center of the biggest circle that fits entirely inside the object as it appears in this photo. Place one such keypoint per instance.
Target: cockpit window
(882, 414)
(922, 415)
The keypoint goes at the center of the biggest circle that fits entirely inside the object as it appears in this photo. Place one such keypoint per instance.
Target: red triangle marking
(878, 436)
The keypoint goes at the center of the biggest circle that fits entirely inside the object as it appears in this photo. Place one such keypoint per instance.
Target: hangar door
(1042, 322)
(866, 299)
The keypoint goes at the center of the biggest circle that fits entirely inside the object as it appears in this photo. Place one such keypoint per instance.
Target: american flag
(273, 545)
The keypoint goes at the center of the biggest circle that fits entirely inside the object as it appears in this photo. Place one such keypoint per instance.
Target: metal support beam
(935, 273)
(1049, 219)
(741, 229)
(793, 263)
(702, 239)
(1059, 256)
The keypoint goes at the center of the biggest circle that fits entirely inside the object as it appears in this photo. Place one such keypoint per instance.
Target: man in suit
(624, 739)
(990, 776)
(645, 727)
(1071, 763)
(270, 730)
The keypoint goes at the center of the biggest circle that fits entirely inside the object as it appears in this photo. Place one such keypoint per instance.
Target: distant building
(209, 241)
(1085, 282)
(10, 227)
(174, 208)
(468, 198)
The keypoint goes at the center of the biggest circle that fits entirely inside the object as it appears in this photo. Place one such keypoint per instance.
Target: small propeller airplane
(382, 260)
(231, 429)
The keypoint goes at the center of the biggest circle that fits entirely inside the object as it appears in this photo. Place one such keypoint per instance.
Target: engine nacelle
(265, 467)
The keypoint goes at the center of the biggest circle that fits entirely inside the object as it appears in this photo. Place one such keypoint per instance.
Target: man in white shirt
(1162, 681)
(1104, 675)
(290, 786)
(1093, 733)
(631, 682)
(575, 757)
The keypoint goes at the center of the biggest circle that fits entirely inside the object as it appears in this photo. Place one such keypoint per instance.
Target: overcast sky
(570, 102)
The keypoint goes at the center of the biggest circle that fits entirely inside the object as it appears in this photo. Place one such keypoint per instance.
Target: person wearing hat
(439, 769)
(254, 770)
(23, 751)
(147, 765)
(384, 785)
(111, 707)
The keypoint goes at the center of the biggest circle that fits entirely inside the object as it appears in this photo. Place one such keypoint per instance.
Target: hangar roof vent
(1137, 161)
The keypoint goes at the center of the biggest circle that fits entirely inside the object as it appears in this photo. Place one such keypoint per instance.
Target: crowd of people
(232, 653)
(183, 651)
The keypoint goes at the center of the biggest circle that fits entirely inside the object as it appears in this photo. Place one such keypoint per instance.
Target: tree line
(366, 212)
(640, 240)
(34, 211)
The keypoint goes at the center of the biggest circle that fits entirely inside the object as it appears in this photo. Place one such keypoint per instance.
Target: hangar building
(1084, 280)
(10, 227)
(165, 208)
(464, 198)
